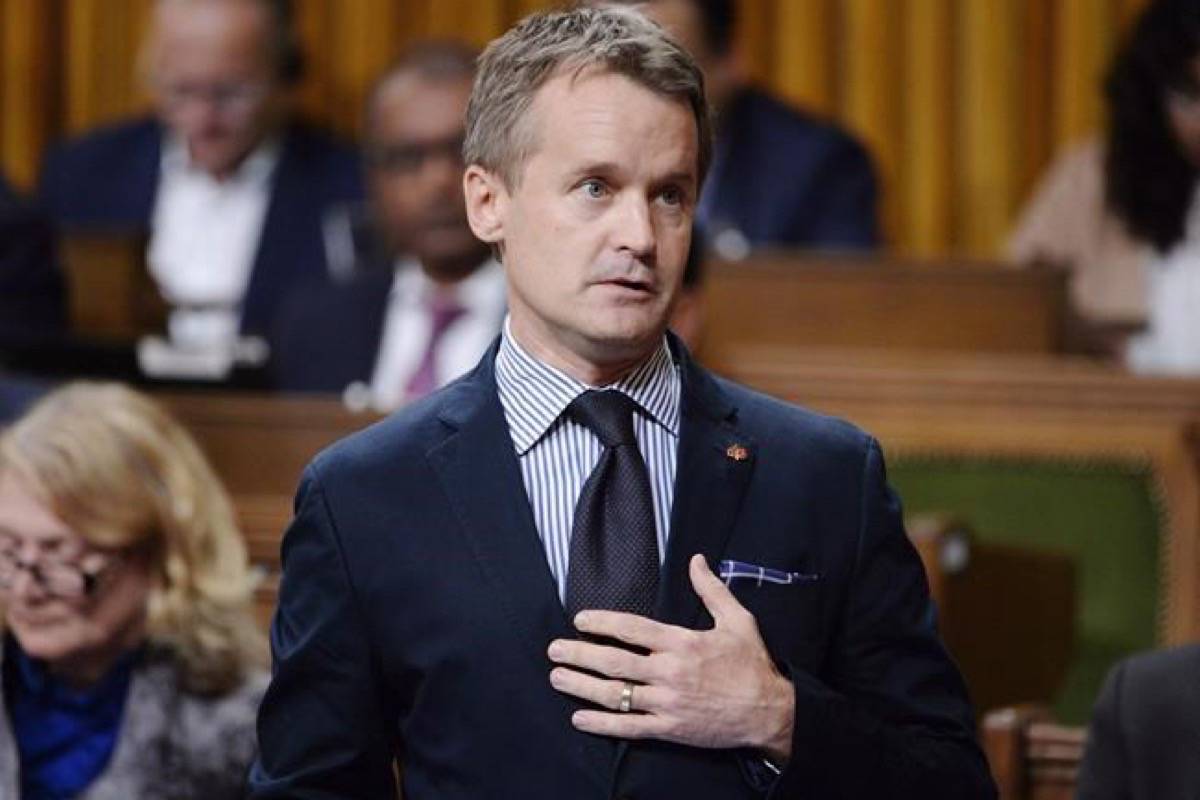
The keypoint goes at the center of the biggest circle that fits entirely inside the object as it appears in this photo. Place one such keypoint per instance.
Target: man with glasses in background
(426, 298)
(232, 191)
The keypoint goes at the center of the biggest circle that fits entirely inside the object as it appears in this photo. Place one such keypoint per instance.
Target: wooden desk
(259, 445)
(823, 301)
(1020, 407)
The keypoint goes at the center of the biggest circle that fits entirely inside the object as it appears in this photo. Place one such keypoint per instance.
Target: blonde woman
(131, 662)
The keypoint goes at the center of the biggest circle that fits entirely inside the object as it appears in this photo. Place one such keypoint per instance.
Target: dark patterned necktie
(614, 550)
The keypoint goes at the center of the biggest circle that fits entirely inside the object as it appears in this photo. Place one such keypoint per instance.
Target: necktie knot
(607, 413)
(443, 311)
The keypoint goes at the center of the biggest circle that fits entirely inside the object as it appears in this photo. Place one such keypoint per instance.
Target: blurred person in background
(232, 190)
(32, 293)
(130, 656)
(428, 310)
(1120, 211)
(1144, 738)
(780, 177)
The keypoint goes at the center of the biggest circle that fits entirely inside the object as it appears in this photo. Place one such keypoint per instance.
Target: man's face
(595, 234)
(414, 157)
(1183, 115)
(214, 77)
(684, 22)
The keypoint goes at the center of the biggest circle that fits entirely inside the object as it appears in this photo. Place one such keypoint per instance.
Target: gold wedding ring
(626, 703)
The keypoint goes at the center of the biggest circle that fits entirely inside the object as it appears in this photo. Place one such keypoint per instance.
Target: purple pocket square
(730, 571)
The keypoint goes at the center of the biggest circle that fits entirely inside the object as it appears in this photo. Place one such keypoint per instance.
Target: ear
(487, 202)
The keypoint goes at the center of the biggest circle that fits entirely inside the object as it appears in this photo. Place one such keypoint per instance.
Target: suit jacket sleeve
(1104, 774)
(322, 730)
(892, 718)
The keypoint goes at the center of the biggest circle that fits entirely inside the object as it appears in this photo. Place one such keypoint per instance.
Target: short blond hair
(615, 40)
(122, 473)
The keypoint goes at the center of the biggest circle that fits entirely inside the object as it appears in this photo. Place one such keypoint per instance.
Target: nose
(635, 229)
(25, 585)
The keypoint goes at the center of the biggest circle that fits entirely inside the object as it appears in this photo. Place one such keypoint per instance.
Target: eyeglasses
(409, 159)
(73, 578)
(233, 99)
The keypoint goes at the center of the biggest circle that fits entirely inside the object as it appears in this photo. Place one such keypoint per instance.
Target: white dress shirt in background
(1171, 341)
(204, 237)
(407, 325)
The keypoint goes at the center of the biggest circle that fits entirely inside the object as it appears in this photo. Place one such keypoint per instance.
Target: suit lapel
(477, 467)
(713, 470)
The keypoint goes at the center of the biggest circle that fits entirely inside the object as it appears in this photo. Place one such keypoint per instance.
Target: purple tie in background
(443, 311)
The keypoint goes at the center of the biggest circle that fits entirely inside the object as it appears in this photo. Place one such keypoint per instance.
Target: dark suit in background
(1144, 738)
(784, 178)
(107, 180)
(417, 605)
(32, 289)
(327, 337)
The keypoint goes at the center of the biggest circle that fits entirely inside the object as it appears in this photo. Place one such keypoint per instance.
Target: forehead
(21, 513)
(682, 20)
(411, 106)
(195, 34)
(608, 117)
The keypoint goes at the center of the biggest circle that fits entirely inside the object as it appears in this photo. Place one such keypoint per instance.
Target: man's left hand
(715, 689)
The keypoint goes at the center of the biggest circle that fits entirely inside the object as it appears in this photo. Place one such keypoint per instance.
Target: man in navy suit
(231, 190)
(32, 292)
(780, 177)
(511, 587)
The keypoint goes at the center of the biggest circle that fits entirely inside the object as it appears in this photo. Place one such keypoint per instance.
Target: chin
(47, 643)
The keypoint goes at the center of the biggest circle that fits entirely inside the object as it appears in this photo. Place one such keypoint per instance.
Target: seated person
(423, 316)
(1144, 738)
(231, 189)
(32, 295)
(130, 657)
(779, 177)
(1121, 212)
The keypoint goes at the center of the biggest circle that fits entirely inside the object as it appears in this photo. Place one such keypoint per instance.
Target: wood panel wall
(963, 102)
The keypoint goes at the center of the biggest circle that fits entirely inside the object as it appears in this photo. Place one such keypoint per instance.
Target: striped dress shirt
(557, 454)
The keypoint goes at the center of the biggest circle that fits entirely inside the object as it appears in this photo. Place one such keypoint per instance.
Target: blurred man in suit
(1144, 738)
(512, 585)
(32, 291)
(230, 188)
(401, 328)
(780, 177)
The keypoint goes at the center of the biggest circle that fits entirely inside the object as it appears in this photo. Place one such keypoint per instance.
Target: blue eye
(672, 196)
(593, 188)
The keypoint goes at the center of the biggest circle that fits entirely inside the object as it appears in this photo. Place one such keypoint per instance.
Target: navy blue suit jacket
(32, 290)
(1144, 738)
(327, 337)
(416, 607)
(784, 178)
(107, 180)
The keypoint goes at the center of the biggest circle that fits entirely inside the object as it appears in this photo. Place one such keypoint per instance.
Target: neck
(448, 272)
(587, 369)
(84, 670)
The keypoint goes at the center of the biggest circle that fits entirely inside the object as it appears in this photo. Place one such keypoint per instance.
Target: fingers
(621, 726)
(605, 692)
(631, 629)
(612, 662)
(715, 595)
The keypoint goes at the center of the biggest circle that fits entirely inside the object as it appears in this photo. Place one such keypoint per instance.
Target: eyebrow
(51, 539)
(612, 167)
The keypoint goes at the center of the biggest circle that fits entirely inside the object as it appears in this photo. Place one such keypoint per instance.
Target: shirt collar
(534, 394)
(255, 168)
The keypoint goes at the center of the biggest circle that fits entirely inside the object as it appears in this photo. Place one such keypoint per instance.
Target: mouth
(630, 285)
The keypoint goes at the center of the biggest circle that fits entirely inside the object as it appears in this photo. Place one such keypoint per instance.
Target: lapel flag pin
(737, 452)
